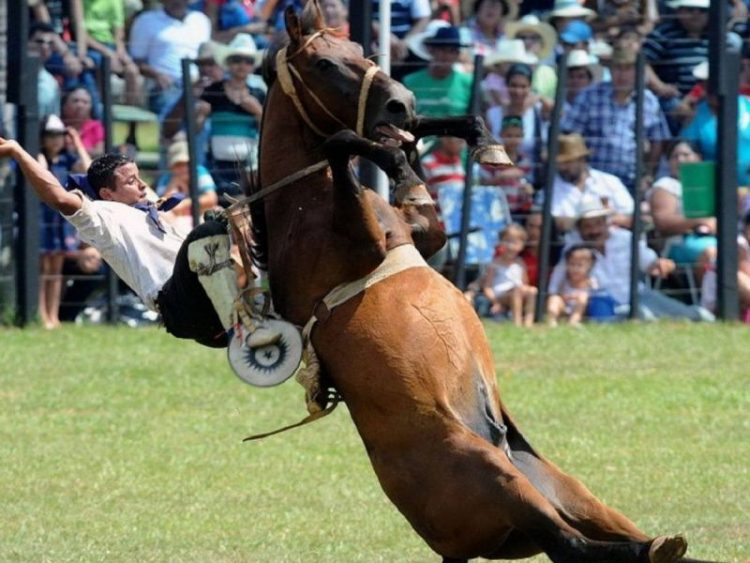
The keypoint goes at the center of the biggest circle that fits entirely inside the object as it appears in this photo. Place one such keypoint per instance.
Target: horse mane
(259, 248)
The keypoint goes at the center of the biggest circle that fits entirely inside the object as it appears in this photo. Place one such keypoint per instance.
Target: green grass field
(126, 445)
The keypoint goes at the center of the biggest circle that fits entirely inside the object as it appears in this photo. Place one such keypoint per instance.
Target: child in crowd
(514, 180)
(571, 296)
(505, 283)
(56, 236)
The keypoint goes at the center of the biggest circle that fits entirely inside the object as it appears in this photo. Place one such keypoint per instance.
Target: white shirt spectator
(566, 197)
(612, 269)
(163, 41)
(138, 252)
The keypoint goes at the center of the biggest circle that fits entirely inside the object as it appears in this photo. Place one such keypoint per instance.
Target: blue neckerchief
(152, 209)
(80, 182)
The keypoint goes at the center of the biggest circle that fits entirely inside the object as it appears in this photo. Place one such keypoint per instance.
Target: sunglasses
(240, 60)
(529, 37)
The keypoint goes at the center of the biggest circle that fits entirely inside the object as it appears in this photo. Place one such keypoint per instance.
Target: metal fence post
(192, 135)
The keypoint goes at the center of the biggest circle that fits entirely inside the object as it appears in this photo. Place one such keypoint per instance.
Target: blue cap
(575, 32)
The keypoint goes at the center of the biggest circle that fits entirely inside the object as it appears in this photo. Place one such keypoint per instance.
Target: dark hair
(69, 92)
(673, 144)
(40, 27)
(478, 4)
(102, 170)
(518, 69)
(579, 246)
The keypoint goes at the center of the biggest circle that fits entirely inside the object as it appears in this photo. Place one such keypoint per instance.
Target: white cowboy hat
(270, 364)
(591, 206)
(571, 9)
(532, 24)
(243, 45)
(581, 58)
(510, 51)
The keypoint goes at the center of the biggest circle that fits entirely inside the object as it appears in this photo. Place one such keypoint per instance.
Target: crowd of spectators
(433, 45)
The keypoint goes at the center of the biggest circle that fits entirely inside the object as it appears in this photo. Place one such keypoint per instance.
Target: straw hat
(591, 206)
(510, 51)
(178, 153)
(622, 56)
(242, 45)
(532, 24)
(573, 9)
(580, 58)
(209, 50)
(571, 147)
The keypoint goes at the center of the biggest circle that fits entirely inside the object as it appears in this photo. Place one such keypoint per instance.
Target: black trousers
(185, 308)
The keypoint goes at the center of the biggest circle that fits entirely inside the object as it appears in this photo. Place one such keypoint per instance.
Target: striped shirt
(673, 55)
(609, 128)
(404, 13)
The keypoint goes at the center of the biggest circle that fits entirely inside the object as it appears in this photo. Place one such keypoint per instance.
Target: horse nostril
(396, 107)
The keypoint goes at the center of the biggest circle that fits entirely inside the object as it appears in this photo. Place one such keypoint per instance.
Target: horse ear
(293, 26)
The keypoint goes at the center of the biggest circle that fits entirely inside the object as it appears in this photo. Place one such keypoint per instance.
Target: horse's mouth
(389, 134)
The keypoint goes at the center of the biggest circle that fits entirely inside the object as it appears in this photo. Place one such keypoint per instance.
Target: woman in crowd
(76, 113)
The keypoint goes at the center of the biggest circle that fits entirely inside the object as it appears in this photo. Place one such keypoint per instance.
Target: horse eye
(324, 64)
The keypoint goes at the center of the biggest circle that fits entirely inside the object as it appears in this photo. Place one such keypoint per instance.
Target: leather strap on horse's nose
(285, 70)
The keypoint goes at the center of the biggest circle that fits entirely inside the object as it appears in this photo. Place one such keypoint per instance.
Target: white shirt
(130, 243)
(163, 41)
(566, 197)
(611, 269)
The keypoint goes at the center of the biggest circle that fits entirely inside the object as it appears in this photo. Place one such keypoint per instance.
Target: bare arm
(44, 183)
(668, 220)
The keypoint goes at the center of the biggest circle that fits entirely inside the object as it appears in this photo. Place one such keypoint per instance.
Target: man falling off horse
(189, 278)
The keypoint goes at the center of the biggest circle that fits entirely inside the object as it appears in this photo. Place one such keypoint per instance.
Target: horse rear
(406, 352)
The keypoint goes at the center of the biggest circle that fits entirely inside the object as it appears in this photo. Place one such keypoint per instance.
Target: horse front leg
(411, 197)
(484, 149)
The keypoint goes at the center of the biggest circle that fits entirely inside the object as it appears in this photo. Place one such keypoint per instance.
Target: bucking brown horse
(404, 349)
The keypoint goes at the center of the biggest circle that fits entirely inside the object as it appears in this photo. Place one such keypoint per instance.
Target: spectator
(532, 110)
(159, 39)
(336, 16)
(440, 89)
(611, 246)
(487, 23)
(583, 71)
(565, 11)
(702, 129)
(104, 36)
(576, 180)
(513, 180)
(408, 18)
(235, 109)
(672, 50)
(530, 254)
(617, 16)
(55, 239)
(76, 113)
(177, 181)
(540, 40)
(230, 17)
(571, 296)
(576, 35)
(686, 240)
(505, 285)
(604, 114)
(42, 42)
(497, 63)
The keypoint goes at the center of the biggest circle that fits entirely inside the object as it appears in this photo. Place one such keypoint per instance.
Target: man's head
(42, 40)
(622, 67)
(583, 68)
(571, 157)
(444, 48)
(692, 14)
(114, 177)
(593, 221)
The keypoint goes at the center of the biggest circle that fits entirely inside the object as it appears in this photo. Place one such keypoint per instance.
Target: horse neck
(287, 141)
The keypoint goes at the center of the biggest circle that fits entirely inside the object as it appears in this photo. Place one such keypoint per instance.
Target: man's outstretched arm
(46, 186)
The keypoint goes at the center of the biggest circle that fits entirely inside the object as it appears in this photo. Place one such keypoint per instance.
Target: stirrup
(266, 356)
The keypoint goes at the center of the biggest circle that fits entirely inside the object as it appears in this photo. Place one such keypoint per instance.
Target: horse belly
(411, 360)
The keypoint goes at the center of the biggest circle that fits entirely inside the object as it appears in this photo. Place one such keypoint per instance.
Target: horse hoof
(667, 549)
(493, 155)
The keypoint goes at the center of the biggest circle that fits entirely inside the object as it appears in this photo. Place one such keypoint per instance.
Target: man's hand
(661, 267)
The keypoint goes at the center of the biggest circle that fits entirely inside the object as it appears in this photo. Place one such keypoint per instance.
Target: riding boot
(209, 258)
